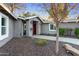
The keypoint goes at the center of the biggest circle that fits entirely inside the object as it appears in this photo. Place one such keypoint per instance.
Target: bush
(61, 31)
(76, 32)
(40, 42)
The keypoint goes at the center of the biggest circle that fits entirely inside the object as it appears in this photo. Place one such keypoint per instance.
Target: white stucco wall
(18, 28)
(27, 28)
(45, 29)
(69, 25)
(39, 27)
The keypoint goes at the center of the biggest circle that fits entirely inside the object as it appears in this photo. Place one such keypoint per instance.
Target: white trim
(7, 27)
(0, 24)
(51, 29)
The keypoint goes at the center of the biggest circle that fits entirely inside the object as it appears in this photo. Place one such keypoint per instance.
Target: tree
(28, 14)
(13, 6)
(59, 12)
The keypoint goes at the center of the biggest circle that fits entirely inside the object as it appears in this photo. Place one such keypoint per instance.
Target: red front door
(34, 27)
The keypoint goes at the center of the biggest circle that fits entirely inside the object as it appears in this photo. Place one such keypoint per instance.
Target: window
(3, 26)
(51, 27)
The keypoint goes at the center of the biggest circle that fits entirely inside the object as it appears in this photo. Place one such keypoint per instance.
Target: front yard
(27, 47)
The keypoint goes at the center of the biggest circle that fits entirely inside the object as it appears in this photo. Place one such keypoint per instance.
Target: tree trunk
(57, 39)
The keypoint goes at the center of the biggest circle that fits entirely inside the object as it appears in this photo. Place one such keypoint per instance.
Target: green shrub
(61, 31)
(76, 32)
(40, 42)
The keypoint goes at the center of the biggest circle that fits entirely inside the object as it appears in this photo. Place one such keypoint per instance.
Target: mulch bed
(26, 47)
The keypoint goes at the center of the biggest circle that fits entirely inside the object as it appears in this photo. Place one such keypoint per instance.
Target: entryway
(34, 28)
(31, 27)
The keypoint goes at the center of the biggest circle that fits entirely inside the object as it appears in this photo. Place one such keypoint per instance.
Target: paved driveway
(63, 39)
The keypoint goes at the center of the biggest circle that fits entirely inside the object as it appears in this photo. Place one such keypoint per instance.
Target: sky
(35, 8)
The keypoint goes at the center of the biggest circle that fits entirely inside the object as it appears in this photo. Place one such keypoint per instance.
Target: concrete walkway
(62, 39)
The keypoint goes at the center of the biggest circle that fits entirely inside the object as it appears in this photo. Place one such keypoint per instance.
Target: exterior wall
(18, 28)
(45, 29)
(27, 28)
(38, 28)
(69, 25)
(10, 35)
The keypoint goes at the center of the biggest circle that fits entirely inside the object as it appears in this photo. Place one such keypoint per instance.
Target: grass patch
(41, 42)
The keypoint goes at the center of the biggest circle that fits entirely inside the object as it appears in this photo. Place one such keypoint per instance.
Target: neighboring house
(69, 26)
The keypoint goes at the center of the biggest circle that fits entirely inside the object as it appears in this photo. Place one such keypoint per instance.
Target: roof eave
(4, 8)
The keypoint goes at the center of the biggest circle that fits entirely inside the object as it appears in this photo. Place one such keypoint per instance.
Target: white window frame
(51, 29)
(7, 27)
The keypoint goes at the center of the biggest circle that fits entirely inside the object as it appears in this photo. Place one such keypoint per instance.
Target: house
(70, 26)
(34, 25)
(11, 26)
